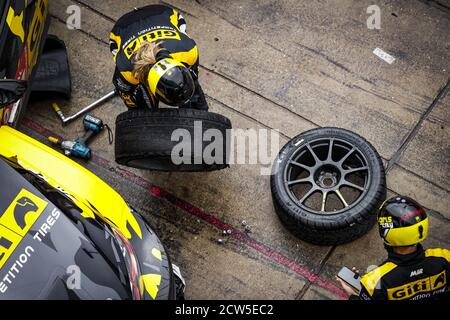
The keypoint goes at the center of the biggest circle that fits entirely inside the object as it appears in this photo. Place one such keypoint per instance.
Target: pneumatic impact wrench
(79, 148)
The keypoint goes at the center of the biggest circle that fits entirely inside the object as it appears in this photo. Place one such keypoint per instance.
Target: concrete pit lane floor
(288, 65)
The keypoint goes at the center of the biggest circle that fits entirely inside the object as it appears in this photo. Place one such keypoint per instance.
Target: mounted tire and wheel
(327, 185)
(144, 139)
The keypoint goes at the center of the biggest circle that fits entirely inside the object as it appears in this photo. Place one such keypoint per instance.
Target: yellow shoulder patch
(128, 75)
(371, 279)
(189, 57)
(438, 252)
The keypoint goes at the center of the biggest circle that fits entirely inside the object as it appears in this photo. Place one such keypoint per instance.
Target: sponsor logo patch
(416, 272)
(151, 36)
(386, 222)
(424, 285)
(15, 222)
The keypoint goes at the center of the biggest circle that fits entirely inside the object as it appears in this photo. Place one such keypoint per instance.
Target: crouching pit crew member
(410, 272)
(155, 58)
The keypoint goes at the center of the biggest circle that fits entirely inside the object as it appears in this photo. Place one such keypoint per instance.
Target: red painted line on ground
(242, 237)
(38, 128)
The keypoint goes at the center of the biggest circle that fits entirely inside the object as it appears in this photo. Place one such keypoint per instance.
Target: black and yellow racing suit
(153, 23)
(423, 274)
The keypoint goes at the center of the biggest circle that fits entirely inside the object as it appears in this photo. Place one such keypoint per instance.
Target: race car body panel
(23, 27)
(36, 259)
(64, 233)
(89, 214)
(90, 192)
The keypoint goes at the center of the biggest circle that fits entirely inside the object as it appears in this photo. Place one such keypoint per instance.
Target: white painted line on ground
(384, 55)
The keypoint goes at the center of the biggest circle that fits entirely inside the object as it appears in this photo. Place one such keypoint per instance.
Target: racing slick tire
(146, 139)
(327, 185)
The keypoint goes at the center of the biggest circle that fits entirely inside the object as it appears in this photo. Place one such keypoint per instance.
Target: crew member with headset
(410, 272)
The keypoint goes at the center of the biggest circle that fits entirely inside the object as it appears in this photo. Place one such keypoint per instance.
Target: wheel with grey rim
(327, 185)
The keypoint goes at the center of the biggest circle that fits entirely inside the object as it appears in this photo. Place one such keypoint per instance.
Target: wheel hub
(327, 176)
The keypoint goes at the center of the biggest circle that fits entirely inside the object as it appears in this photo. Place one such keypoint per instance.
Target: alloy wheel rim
(334, 169)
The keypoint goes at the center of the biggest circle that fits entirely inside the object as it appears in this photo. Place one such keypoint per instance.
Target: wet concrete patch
(428, 154)
(321, 72)
(428, 193)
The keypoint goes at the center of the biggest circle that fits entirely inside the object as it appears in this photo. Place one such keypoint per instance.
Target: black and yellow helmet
(402, 222)
(171, 82)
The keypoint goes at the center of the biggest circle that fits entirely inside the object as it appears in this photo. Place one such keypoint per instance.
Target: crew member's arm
(114, 44)
(367, 295)
(370, 295)
(181, 23)
(126, 90)
(372, 288)
(352, 293)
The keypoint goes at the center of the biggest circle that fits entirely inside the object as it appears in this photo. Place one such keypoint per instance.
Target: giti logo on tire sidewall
(17, 220)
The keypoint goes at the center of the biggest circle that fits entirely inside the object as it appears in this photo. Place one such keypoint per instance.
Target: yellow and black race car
(65, 234)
